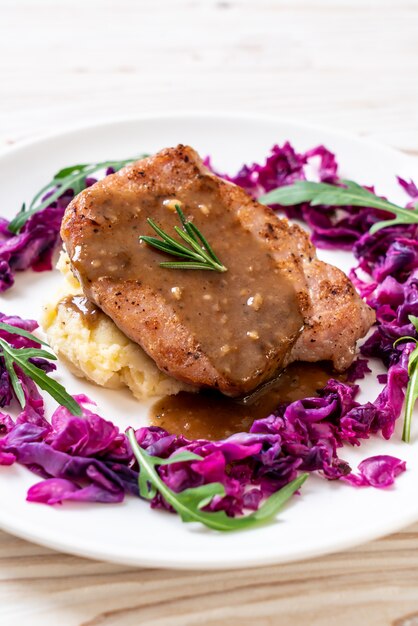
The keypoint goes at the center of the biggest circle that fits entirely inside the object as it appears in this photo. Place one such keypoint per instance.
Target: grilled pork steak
(233, 330)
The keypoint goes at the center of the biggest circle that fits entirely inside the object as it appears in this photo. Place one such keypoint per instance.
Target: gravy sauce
(84, 308)
(243, 319)
(209, 415)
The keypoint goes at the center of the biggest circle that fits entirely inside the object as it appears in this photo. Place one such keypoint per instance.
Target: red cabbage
(410, 188)
(357, 370)
(282, 167)
(57, 490)
(34, 246)
(32, 395)
(377, 471)
(331, 228)
(88, 459)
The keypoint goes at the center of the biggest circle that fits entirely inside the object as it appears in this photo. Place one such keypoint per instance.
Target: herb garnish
(190, 502)
(199, 257)
(352, 194)
(411, 395)
(20, 357)
(72, 177)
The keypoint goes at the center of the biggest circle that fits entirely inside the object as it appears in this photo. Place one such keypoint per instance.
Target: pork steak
(276, 302)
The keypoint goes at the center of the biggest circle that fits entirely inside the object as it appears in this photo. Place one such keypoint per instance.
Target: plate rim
(62, 132)
(232, 562)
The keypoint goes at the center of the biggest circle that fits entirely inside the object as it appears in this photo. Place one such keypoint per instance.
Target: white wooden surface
(349, 64)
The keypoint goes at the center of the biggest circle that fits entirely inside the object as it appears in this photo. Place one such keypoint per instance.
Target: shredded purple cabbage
(88, 459)
(33, 398)
(377, 471)
(33, 247)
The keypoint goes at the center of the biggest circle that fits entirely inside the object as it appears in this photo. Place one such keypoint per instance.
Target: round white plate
(327, 516)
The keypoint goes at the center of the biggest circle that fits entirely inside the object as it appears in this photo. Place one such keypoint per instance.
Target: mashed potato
(100, 352)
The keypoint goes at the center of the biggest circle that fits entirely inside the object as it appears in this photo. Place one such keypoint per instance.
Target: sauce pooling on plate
(209, 415)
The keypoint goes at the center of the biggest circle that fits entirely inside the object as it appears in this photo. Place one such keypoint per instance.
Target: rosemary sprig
(72, 177)
(411, 395)
(190, 502)
(199, 256)
(352, 194)
(21, 357)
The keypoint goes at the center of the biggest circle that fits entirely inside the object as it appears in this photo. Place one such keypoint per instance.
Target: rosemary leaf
(165, 247)
(190, 240)
(199, 256)
(205, 243)
(186, 265)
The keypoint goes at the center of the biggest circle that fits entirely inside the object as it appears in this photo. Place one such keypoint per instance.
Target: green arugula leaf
(16, 384)
(71, 169)
(298, 192)
(72, 177)
(352, 194)
(21, 357)
(414, 320)
(146, 488)
(190, 502)
(15, 330)
(411, 395)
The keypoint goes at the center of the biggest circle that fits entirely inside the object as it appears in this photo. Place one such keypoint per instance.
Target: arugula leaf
(352, 194)
(190, 502)
(298, 192)
(71, 177)
(146, 488)
(21, 357)
(411, 395)
(16, 384)
(15, 330)
(66, 171)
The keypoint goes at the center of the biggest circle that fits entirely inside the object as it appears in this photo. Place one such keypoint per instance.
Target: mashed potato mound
(101, 353)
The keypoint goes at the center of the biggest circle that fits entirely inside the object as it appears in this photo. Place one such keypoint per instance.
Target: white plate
(327, 516)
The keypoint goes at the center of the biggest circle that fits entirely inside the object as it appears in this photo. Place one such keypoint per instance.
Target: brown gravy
(209, 415)
(84, 308)
(245, 320)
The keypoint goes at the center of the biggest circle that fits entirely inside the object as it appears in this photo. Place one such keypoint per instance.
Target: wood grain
(373, 585)
(350, 64)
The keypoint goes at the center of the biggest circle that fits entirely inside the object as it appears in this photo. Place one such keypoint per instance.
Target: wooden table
(349, 64)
